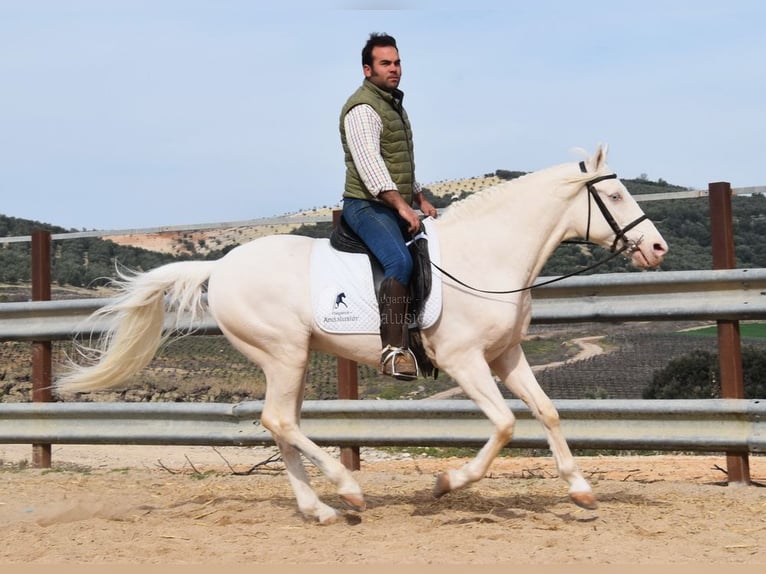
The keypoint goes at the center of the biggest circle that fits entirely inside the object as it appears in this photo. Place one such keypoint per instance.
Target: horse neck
(516, 226)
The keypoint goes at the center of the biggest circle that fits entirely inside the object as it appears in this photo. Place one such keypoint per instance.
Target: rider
(380, 190)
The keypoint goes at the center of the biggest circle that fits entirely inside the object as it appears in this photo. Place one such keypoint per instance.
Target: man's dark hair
(376, 40)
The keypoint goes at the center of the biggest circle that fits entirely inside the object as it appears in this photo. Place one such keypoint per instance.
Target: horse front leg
(475, 378)
(515, 372)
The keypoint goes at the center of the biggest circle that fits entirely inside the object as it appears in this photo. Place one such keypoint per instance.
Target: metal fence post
(729, 344)
(41, 350)
(348, 388)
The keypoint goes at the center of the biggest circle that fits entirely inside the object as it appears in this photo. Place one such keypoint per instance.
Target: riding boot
(396, 359)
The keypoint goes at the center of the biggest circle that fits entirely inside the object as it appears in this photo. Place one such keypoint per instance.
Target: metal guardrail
(732, 425)
(727, 294)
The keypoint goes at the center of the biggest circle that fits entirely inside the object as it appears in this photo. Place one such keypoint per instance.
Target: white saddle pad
(343, 293)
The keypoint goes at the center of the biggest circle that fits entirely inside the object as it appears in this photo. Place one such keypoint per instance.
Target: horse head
(613, 218)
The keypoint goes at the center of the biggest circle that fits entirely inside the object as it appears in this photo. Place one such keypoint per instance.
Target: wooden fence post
(729, 345)
(41, 350)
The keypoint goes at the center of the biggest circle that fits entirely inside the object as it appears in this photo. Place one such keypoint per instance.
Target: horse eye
(616, 196)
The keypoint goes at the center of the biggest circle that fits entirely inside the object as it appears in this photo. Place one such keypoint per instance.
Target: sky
(129, 114)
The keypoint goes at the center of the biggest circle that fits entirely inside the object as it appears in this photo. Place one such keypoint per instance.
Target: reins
(618, 232)
(548, 282)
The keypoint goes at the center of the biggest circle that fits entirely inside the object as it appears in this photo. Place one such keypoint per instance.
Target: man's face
(386, 69)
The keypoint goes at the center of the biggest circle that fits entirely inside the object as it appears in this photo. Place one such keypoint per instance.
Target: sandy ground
(192, 505)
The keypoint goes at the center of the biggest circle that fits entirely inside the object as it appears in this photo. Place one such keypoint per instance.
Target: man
(381, 189)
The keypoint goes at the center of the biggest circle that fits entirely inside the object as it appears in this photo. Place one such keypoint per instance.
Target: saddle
(344, 239)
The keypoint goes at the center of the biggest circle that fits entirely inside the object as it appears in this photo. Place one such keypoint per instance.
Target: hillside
(441, 193)
(204, 243)
(90, 262)
(208, 241)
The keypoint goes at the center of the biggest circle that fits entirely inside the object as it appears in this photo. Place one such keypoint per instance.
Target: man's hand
(412, 219)
(394, 199)
(427, 207)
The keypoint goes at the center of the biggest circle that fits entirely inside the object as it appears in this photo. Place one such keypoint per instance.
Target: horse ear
(599, 158)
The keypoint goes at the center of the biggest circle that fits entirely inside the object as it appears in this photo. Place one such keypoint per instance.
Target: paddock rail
(710, 425)
(723, 294)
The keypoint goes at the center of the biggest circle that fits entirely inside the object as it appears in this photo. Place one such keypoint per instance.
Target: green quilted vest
(395, 142)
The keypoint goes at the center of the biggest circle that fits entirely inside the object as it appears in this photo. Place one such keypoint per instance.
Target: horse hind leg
(281, 415)
(308, 502)
(292, 444)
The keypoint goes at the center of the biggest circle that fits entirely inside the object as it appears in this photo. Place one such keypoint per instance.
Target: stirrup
(391, 353)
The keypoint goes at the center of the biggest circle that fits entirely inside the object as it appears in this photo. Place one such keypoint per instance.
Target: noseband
(619, 233)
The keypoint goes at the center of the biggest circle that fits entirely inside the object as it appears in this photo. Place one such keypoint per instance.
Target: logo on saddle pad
(340, 312)
(339, 300)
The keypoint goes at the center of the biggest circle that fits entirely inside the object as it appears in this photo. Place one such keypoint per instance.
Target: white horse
(500, 238)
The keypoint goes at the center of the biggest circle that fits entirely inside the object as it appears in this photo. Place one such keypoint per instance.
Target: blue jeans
(382, 231)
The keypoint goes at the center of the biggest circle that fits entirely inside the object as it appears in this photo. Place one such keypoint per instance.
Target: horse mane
(486, 198)
(479, 199)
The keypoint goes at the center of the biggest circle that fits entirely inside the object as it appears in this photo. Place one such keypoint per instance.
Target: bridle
(619, 233)
(628, 245)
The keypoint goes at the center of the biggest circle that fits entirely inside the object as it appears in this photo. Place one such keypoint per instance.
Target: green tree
(696, 376)
(693, 376)
(15, 263)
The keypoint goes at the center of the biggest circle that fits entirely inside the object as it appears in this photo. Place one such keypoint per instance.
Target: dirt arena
(199, 505)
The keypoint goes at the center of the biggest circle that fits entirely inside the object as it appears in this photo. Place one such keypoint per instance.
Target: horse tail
(132, 325)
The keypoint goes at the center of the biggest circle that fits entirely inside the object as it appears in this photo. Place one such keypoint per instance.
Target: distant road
(588, 348)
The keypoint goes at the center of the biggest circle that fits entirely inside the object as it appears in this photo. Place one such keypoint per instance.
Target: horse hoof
(330, 518)
(442, 485)
(585, 500)
(354, 501)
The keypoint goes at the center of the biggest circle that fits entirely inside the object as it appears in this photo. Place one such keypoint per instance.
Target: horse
(498, 237)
